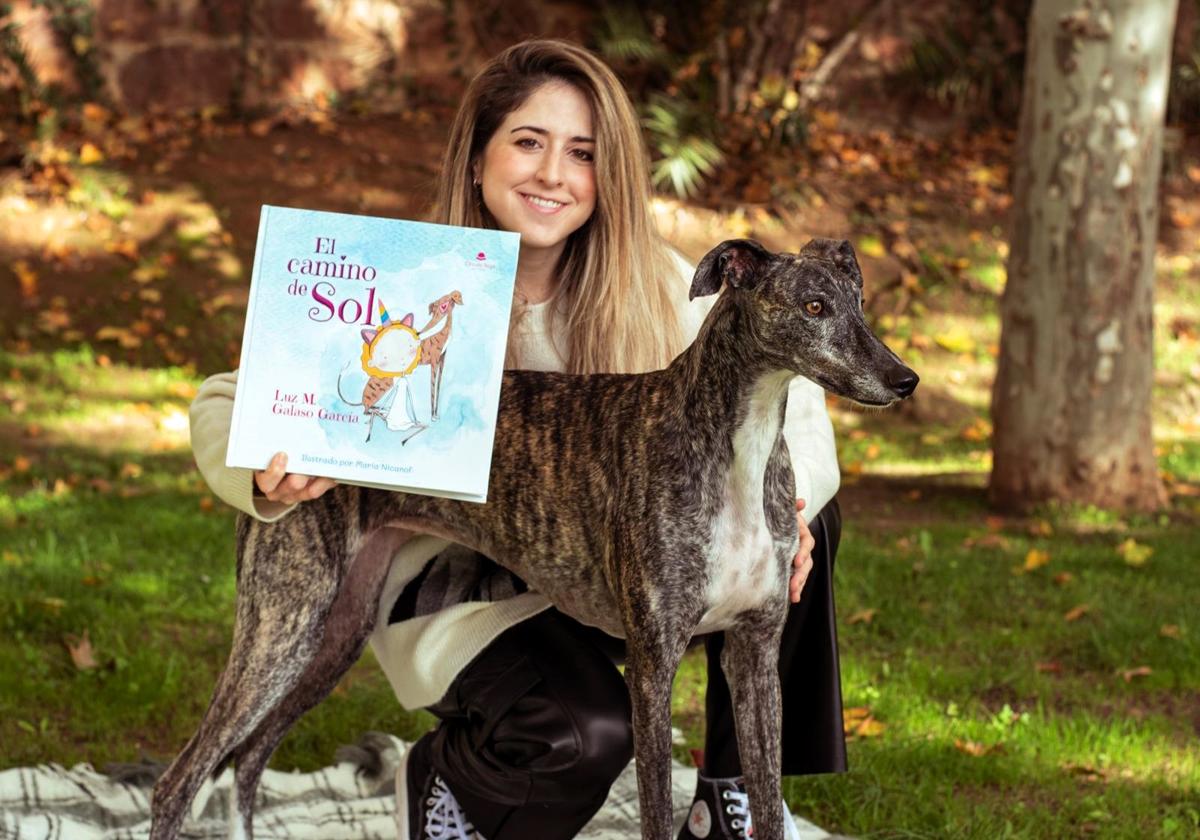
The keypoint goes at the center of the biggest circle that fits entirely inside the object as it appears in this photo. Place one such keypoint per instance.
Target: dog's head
(804, 312)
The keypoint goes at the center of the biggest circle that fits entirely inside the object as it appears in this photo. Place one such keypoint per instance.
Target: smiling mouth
(543, 205)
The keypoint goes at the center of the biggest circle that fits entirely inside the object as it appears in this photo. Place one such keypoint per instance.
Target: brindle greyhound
(653, 506)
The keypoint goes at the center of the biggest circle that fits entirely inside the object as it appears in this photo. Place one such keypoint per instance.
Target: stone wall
(261, 55)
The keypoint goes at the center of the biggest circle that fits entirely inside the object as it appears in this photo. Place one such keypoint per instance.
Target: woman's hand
(280, 486)
(803, 563)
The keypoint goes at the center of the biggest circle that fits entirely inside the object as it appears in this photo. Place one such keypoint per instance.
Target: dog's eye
(813, 307)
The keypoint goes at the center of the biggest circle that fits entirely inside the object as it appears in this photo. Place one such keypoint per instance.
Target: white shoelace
(444, 818)
(739, 806)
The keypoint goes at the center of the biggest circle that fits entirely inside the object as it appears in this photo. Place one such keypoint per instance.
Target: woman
(534, 716)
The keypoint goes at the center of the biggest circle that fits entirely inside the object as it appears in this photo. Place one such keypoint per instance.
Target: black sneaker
(425, 807)
(721, 811)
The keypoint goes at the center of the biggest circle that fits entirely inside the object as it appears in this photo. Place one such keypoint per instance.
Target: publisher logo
(481, 262)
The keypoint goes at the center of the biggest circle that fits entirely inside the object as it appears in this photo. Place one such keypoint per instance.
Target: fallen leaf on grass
(1035, 559)
(81, 652)
(218, 302)
(94, 112)
(1134, 553)
(871, 246)
(1140, 671)
(53, 320)
(975, 748)
(130, 470)
(978, 431)
(956, 341)
(1170, 631)
(989, 540)
(1076, 613)
(1063, 578)
(862, 616)
(1040, 528)
(127, 248)
(182, 390)
(21, 464)
(27, 277)
(206, 503)
(855, 715)
(1048, 668)
(869, 728)
(859, 722)
(121, 335)
(11, 559)
(147, 272)
(89, 154)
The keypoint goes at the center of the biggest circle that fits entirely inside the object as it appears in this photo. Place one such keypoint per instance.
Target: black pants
(535, 730)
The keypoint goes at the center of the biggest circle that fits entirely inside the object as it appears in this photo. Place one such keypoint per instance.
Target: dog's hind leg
(351, 620)
(262, 669)
(287, 582)
(750, 661)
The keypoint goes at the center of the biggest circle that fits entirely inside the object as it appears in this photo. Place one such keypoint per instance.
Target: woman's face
(537, 174)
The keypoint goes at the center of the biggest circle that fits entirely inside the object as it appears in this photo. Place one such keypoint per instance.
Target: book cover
(373, 350)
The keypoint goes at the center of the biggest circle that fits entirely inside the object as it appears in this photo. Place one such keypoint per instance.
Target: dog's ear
(837, 251)
(736, 262)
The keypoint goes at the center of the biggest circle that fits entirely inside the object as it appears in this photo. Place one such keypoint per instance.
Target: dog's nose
(903, 382)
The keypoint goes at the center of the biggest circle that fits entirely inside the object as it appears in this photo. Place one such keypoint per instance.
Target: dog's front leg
(750, 661)
(657, 630)
(649, 676)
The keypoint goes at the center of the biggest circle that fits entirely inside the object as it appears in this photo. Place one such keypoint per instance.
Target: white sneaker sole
(402, 798)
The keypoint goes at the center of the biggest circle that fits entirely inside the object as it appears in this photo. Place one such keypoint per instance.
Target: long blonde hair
(615, 272)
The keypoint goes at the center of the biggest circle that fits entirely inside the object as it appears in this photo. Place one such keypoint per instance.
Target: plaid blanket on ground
(352, 800)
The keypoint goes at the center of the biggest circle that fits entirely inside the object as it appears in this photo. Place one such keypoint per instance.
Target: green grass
(953, 655)
(113, 534)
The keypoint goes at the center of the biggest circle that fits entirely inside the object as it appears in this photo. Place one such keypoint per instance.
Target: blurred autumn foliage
(718, 81)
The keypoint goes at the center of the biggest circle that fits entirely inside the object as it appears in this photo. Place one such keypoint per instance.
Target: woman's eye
(584, 155)
(527, 143)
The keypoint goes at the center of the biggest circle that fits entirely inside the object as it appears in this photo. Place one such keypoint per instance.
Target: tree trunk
(1071, 402)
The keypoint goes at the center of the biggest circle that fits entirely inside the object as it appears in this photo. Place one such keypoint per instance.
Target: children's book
(373, 351)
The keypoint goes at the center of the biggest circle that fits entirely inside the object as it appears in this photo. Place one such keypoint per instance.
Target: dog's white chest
(743, 569)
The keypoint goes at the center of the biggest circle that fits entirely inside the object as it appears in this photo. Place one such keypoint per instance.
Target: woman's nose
(549, 171)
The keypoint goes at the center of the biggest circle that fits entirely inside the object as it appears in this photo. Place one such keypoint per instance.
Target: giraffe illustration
(433, 348)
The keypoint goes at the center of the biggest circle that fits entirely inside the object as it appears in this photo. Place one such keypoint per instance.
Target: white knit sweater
(421, 656)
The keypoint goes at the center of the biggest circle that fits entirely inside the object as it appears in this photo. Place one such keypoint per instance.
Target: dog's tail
(342, 396)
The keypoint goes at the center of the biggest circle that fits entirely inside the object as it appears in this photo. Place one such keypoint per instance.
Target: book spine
(248, 335)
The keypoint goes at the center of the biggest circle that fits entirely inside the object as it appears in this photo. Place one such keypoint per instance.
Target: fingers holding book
(278, 485)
